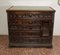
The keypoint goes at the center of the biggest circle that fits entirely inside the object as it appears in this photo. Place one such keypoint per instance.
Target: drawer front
(30, 33)
(31, 15)
(24, 27)
(23, 22)
(25, 40)
(17, 39)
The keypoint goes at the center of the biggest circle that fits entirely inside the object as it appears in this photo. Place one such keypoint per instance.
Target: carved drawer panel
(31, 15)
(29, 33)
(24, 27)
(25, 40)
(24, 21)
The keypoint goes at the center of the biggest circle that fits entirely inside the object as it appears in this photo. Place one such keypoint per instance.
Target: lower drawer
(17, 39)
(25, 33)
(37, 40)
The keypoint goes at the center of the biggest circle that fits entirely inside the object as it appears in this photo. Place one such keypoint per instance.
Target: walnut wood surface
(30, 28)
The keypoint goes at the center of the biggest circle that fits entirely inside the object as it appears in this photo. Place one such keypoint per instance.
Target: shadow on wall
(3, 17)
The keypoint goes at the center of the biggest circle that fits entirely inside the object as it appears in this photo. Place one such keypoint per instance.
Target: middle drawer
(25, 27)
(25, 33)
(24, 21)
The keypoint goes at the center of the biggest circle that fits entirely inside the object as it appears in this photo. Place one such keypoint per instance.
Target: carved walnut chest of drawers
(30, 26)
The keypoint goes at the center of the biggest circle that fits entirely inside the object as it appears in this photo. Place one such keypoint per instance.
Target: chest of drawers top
(30, 8)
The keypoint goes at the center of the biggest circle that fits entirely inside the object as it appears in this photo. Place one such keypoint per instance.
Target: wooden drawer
(24, 21)
(25, 40)
(25, 32)
(29, 40)
(31, 15)
(25, 27)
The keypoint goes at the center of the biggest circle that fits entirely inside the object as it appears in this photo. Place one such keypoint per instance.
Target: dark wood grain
(30, 28)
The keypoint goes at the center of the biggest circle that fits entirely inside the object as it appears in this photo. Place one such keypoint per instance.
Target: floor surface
(5, 50)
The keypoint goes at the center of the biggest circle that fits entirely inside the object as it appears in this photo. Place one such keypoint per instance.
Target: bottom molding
(30, 45)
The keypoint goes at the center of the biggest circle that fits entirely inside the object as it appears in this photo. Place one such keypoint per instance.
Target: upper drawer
(30, 15)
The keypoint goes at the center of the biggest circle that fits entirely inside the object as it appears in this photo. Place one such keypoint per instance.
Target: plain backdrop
(5, 4)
